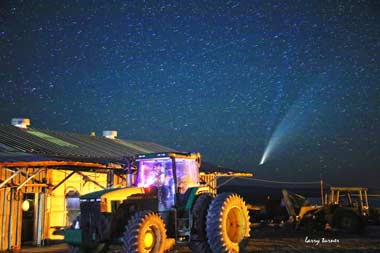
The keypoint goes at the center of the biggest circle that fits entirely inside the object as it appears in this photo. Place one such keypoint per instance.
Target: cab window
(187, 174)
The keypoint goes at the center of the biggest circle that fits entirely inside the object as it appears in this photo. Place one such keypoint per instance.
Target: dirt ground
(267, 239)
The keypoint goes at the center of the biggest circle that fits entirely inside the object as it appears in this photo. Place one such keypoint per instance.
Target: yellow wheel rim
(235, 224)
(149, 239)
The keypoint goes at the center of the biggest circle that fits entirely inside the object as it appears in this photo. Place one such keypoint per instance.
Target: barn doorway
(28, 217)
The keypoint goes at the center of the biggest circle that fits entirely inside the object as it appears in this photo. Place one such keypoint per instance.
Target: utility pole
(322, 198)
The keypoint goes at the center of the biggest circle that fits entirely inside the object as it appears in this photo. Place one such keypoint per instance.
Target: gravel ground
(280, 240)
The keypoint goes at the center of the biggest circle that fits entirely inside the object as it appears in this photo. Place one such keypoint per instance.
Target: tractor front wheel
(145, 233)
(227, 223)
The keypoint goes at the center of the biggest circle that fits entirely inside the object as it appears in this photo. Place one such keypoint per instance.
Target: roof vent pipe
(110, 134)
(20, 122)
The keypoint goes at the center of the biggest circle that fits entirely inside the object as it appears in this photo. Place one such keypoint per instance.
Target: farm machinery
(345, 208)
(169, 202)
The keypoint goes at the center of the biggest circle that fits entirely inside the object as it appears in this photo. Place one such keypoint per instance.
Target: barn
(43, 173)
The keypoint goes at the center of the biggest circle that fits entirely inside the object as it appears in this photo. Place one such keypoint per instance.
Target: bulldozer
(344, 208)
(167, 203)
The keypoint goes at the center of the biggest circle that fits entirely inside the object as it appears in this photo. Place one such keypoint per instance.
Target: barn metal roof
(17, 144)
(25, 157)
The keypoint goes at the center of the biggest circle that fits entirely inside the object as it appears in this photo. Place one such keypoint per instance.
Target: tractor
(166, 204)
(346, 208)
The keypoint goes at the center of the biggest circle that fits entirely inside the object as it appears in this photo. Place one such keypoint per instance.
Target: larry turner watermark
(322, 240)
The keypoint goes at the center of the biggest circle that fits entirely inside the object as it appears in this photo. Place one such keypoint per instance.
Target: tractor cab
(173, 174)
(355, 198)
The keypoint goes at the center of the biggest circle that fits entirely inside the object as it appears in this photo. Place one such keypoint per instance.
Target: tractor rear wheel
(227, 223)
(198, 238)
(145, 233)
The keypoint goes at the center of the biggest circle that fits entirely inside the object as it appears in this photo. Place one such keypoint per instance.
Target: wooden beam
(52, 164)
(10, 178)
(60, 183)
(85, 177)
(29, 178)
(36, 185)
(26, 175)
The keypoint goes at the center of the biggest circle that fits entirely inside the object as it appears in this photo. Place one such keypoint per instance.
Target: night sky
(225, 78)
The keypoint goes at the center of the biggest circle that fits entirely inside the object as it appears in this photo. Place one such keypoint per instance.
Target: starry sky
(219, 77)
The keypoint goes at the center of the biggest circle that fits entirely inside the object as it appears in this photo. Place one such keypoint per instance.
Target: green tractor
(166, 205)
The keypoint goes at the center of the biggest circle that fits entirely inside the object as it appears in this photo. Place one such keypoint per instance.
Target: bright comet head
(263, 158)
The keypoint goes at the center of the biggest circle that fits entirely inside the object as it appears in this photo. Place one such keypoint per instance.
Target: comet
(294, 121)
(275, 140)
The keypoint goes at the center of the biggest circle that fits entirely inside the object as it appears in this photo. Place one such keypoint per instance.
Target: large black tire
(145, 233)
(227, 223)
(198, 237)
(348, 221)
